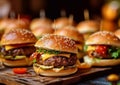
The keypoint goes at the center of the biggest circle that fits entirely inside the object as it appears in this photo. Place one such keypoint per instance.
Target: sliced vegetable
(34, 57)
(58, 69)
(45, 67)
(19, 70)
(115, 52)
(19, 57)
(34, 60)
(102, 50)
(40, 50)
(8, 57)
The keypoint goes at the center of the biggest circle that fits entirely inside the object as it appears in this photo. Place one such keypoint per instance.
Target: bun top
(103, 38)
(61, 22)
(40, 22)
(57, 42)
(18, 36)
(39, 31)
(71, 32)
(117, 33)
(14, 23)
(88, 26)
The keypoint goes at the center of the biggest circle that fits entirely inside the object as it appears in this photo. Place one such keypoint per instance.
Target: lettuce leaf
(115, 52)
(40, 50)
(85, 47)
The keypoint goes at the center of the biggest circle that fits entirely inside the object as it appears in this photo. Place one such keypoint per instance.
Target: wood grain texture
(31, 78)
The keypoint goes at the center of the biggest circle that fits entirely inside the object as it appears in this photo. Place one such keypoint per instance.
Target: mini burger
(55, 56)
(61, 22)
(17, 46)
(103, 49)
(41, 26)
(40, 22)
(88, 27)
(72, 32)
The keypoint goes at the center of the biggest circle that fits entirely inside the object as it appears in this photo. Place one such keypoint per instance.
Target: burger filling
(103, 51)
(53, 59)
(80, 53)
(17, 53)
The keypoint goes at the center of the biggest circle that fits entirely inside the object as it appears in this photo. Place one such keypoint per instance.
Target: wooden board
(9, 78)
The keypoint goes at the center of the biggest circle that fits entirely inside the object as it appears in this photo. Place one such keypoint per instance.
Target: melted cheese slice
(90, 48)
(8, 47)
(46, 56)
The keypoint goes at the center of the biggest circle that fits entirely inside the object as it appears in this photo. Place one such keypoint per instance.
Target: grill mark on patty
(58, 61)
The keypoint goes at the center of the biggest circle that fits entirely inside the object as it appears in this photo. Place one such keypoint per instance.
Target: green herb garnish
(85, 47)
(34, 60)
(115, 52)
(38, 37)
(40, 50)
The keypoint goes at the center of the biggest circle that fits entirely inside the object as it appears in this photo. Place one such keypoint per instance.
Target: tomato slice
(19, 70)
(102, 50)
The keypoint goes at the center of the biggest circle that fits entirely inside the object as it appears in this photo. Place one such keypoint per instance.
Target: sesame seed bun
(51, 72)
(88, 26)
(117, 33)
(70, 32)
(56, 42)
(18, 36)
(103, 38)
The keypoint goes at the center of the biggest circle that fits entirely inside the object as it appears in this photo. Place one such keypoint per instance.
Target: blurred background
(105, 12)
(53, 8)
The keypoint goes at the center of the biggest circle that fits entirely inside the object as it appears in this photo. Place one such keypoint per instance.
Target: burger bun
(14, 63)
(101, 62)
(64, 72)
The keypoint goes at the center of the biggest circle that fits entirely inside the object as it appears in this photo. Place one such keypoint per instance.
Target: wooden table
(31, 78)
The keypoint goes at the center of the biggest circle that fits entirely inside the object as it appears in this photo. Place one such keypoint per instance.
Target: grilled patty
(27, 50)
(58, 61)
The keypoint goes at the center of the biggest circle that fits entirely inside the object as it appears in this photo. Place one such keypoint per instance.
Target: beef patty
(58, 61)
(27, 50)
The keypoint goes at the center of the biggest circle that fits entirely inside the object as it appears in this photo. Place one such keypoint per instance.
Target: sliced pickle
(45, 67)
(19, 57)
(8, 57)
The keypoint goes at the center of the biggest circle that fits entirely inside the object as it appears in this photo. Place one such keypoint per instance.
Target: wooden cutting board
(9, 78)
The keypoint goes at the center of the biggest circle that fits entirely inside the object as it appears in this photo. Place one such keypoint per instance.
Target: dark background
(54, 7)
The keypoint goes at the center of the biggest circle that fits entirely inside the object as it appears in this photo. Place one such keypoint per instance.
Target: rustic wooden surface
(30, 78)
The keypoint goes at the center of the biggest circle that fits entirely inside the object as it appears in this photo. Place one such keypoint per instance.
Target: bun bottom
(14, 63)
(50, 72)
(101, 62)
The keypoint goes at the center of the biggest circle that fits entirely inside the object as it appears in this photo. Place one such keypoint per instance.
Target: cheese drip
(9, 47)
(46, 56)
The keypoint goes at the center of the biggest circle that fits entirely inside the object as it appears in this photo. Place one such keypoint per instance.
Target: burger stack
(55, 56)
(16, 47)
(55, 49)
